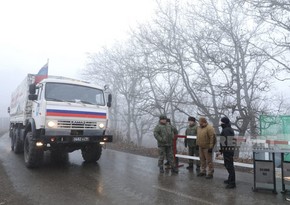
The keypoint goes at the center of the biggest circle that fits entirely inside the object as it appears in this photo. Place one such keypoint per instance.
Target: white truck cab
(61, 115)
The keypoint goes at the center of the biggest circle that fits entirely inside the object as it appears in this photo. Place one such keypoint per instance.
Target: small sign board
(264, 172)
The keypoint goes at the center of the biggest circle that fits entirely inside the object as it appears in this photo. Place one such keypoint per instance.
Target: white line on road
(184, 195)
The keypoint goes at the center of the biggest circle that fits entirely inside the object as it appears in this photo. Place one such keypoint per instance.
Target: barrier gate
(264, 169)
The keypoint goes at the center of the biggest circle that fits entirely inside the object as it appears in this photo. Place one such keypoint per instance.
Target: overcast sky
(63, 31)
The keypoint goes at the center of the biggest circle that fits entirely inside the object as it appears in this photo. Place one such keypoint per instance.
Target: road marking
(184, 195)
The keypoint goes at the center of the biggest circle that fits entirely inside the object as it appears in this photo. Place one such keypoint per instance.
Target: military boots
(161, 169)
(174, 170)
(190, 166)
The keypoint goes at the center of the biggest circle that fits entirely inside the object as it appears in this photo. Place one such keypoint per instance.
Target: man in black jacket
(227, 149)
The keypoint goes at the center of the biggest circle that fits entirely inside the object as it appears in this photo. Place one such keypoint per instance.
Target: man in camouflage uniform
(163, 133)
(193, 149)
(175, 131)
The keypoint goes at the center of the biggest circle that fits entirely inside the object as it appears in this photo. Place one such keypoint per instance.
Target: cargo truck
(59, 115)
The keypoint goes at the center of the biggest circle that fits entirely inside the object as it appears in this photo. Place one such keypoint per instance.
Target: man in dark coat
(227, 149)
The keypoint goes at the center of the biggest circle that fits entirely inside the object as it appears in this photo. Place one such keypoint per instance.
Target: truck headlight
(101, 125)
(52, 124)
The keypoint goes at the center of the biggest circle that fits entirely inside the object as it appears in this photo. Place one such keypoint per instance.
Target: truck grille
(76, 124)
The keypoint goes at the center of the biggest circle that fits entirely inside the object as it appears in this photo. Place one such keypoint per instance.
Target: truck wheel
(92, 153)
(33, 155)
(59, 156)
(17, 143)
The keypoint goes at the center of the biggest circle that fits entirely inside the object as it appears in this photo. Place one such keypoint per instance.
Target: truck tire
(16, 143)
(59, 156)
(33, 155)
(92, 153)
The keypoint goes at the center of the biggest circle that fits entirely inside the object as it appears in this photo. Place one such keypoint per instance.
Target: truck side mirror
(8, 110)
(32, 97)
(109, 103)
(32, 89)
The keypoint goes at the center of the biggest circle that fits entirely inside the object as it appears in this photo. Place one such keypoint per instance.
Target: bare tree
(202, 58)
(276, 14)
(120, 67)
(217, 56)
(162, 49)
(230, 47)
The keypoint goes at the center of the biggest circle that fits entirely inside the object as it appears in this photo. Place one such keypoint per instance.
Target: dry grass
(153, 152)
(133, 149)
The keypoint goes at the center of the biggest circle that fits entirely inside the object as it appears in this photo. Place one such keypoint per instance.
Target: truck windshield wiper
(86, 102)
(80, 101)
(54, 99)
(59, 100)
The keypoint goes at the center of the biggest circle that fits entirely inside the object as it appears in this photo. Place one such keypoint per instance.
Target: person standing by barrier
(175, 132)
(193, 149)
(228, 149)
(163, 133)
(206, 141)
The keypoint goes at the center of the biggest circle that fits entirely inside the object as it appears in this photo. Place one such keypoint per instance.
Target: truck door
(38, 108)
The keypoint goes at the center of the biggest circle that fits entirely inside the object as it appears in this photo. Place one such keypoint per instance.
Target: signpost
(264, 173)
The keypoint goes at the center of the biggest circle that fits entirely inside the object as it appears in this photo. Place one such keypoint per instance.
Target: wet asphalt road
(121, 178)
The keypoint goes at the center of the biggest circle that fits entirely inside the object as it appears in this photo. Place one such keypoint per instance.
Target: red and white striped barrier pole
(238, 141)
(175, 149)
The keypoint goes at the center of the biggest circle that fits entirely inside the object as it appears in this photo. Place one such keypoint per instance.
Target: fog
(65, 32)
(62, 31)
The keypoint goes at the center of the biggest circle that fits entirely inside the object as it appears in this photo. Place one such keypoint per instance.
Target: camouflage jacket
(175, 131)
(163, 134)
(191, 131)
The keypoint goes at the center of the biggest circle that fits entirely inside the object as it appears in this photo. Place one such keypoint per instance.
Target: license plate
(80, 139)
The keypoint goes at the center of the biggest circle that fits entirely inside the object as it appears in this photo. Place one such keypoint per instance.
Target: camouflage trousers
(193, 151)
(166, 151)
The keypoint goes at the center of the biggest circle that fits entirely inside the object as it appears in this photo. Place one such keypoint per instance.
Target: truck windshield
(73, 93)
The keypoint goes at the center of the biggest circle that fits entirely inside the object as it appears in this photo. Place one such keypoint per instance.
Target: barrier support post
(176, 159)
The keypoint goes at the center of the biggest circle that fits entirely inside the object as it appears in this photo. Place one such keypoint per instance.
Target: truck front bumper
(75, 136)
